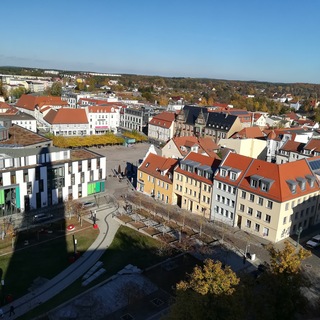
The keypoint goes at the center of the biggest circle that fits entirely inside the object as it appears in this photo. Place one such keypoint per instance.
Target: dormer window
(224, 171)
(234, 174)
(147, 164)
(254, 181)
(302, 183)
(311, 179)
(292, 185)
(266, 184)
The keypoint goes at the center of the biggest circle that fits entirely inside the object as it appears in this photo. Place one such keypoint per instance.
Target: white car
(314, 242)
(88, 204)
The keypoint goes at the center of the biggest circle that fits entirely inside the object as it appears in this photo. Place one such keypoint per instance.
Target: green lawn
(45, 256)
(128, 247)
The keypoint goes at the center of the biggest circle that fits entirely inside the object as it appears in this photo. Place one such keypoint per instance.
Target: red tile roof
(250, 132)
(154, 165)
(29, 102)
(4, 105)
(67, 116)
(163, 120)
(204, 161)
(313, 145)
(206, 145)
(103, 109)
(293, 146)
(235, 161)
(279, 174)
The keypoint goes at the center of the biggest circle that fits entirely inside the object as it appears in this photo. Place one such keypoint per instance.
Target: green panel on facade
(89, 188)
(18, 197)
(1, 196)
(103, 186)
(98, 187)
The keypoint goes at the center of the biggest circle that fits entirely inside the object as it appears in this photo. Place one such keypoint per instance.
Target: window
(259, 215)
(265, 232)
(284, 220)
(241, 207)
(260, 201)
(233, 176)
(269, 204)
(287, 206)
(250, 210)
(268, 218)
(223, 172)
(254, 183)
(251, 197)
(257, 227)
(29, 187)
(248, 223)
(219, 185)
(243, 194)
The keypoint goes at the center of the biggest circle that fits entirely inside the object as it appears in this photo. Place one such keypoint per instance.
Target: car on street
(88, 204)
(314, 242)
(42, 217)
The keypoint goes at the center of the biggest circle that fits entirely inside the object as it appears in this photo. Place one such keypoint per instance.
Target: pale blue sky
(271, 40)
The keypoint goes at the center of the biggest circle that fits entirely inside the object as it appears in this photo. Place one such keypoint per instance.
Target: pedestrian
(1, 313)
(11, 310)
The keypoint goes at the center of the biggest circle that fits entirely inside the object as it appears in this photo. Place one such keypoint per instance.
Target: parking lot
(123, 156)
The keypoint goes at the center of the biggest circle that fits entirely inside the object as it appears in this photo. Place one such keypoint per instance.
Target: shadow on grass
(128, 247)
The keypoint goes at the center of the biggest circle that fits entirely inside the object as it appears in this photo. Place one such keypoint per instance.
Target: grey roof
(221, 121)
(22, 152)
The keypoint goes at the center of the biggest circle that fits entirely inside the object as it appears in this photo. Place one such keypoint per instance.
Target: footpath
(108, 228)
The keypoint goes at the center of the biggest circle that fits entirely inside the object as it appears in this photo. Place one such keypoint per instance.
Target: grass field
(47, 253)
(128, 246)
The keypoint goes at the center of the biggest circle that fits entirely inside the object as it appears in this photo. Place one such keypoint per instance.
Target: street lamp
(74, 245)
(298, 233)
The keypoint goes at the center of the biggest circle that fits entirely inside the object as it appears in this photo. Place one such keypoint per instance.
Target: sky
(271, 40)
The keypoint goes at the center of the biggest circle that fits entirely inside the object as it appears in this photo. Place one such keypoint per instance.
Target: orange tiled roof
(29, 102)
(313, 145)
(103, 109)
(204, 161)
(67, 116)
(250, 132)
(206, 144)
(163, 119)
(279, 174)
(154, 165)
(235, 161)
(4, 105)
(291, 145)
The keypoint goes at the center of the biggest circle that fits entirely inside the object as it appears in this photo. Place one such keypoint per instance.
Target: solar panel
(315, 165)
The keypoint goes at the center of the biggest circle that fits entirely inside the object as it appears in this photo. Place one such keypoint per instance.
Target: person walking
(11, 311)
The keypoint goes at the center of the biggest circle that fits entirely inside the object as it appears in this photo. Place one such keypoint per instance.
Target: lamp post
(2, 292)
(299, 231)
(74, 245)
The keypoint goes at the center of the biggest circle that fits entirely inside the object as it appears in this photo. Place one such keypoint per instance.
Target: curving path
(108, 228)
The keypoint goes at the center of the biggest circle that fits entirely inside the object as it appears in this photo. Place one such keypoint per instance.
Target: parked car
(42, 217)
(88, 204)
(314, 242)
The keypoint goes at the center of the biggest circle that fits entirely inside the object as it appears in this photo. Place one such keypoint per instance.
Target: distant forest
(192, 90)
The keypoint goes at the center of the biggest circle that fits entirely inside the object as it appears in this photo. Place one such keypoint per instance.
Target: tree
(56, 89)
(279, 294)
(287, 260)
(18, 92)
(211, 278)
(206, 294)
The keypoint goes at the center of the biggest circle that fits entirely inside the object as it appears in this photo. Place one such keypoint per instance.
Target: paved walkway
(108, 228)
